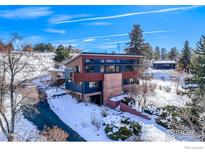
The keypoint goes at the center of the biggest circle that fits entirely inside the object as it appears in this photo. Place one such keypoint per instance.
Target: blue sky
(103, 28)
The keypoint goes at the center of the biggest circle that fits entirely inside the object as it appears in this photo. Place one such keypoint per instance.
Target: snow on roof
(164, 62)
(118, 98)
(56, 70)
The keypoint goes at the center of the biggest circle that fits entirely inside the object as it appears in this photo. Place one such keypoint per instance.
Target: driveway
(45, 117)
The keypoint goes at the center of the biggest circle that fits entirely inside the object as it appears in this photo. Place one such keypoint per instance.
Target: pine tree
(163, 53)
(148, 51)
(157, 53)
(173, 53)
(194, 112)
(136, 44)
(61, 53)
(185, 59)
(198, 66)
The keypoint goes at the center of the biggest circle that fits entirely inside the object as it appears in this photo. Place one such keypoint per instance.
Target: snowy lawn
(166, 89)
(78, 116)
(37, 64)
(24, 129)
(161, 97)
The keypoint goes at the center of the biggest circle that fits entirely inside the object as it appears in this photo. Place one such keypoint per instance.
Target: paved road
(46, 117)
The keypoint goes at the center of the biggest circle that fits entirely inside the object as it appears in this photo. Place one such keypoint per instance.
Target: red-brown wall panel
(78, 77)
(131, 74)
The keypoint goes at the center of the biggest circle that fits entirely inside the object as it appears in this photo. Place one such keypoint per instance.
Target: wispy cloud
(126, 34)
(64, 17)
(88, 40)
(106, 38)
(93, 38)
(109, 36)
(128, 14)
(26, 13)
(115, 42)
(98, 24)
(57, 31)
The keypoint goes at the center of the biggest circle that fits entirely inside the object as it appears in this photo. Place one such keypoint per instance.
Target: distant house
(57, 75)
(99, 76)
(164, 64)
(28, 48)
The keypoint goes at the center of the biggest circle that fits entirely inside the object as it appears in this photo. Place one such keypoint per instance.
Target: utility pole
(118, 48)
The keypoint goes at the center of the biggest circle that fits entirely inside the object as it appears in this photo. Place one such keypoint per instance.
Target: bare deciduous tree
(177, 74)
(142, 90)
(13, 67)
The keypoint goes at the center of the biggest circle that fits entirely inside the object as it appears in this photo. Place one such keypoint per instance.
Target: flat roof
(164, 62)
(101, 54)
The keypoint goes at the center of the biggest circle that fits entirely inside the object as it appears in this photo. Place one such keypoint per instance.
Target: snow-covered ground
(78, 117)
(37, 64)
(164, 79)
(24, 129)
(161, 97)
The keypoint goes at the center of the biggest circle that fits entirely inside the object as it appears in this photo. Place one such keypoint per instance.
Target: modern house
(164, 64)
(99, 76)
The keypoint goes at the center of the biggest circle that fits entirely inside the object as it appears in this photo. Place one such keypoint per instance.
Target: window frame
(95, 84)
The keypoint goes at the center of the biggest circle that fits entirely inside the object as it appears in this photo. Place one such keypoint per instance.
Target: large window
(102, 60)
(110, 69)
(131, 61)
(117, 69)
(117, 61)
(102, 69)
(77, 69)
(89, 69)
(93, 84)
(89, 60)
(128, 61)
(130, 81)
(71, 74)
(130, 68)
(133, 80)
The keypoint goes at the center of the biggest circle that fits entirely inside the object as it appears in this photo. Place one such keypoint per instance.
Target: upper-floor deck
(104, 63)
